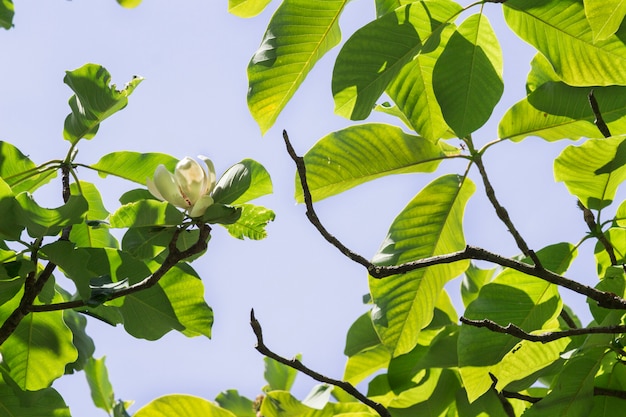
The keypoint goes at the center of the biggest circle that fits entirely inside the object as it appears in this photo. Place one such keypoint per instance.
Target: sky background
(193, 55)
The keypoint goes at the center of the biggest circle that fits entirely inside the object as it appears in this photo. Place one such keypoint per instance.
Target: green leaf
(555, 111)
(221, 214)
(129, 4)
(235, 403)
(604, 17)
(319, 396)
(81, 265)
(145, 243)
(441, 399)
(41, 221)
(133, 166)
(93, 101)
(19, 172)
(146, 213)
(361, 153)
(298, 35)
(83, 343)
(185, 292)
(7, 10)
(242, 182)
(572, 394)
(489, 405)
(473, 280)
(251, 223)
(431, 224)
(366, 363)
(467, 78)
(247, 8)
(94, 232)
(278, 376)
(99, 384)
(376, 53)
(423, 388)
(412, 91)
(559, 30)
(593, 171)
(361, 336)
(181, 405)
(39, 349)
(45, 402)
(537, 305)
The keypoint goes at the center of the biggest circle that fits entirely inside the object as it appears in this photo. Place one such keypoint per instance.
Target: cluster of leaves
(144, 281)
(441, 79)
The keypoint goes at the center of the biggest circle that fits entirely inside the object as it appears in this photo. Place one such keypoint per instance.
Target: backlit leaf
(467, 78)
(431, 224)
(247, 8)
(242, 182)
(376, 53)
(182, 405)
(298, 35)
(99, 384)
(605, 17)
(361, 153)
(133, 166)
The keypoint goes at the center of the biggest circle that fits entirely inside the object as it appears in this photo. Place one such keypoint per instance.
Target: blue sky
(193, 56)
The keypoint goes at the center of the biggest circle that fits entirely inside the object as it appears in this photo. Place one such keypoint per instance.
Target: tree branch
(502, 213)
(515, 331)
(299, 366)
(599, 122)
(604, 299)
(173, 257)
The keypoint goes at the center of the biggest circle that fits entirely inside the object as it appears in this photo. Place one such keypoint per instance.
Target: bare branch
(545, 337)
(299, 366)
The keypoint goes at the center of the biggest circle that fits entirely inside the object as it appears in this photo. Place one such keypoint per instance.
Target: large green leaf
(431, 224)
(441, 399)
(361, 153)
(467, 78)
(185, 292)
(560, 30)
(298, 35)
(181, 405)
(45, 402)
(40, 221)
(278, 375)
(242, 182)
(605, 17)
(239, 405)
(94, 100)
(376, 53)
(412, 91)
(39, 349)
(537, 304)
(133, 166)
(19, 172)
(593, 171)
(146, 213)
(423, 387)
(99, 384)
(247, 8)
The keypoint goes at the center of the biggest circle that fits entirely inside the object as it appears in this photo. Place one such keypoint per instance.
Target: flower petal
(201, 205)
(191, 179)
(166, 185)
(211, 177)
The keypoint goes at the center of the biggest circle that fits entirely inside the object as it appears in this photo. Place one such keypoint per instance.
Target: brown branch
(604, 299)
(609, 392)
(299, 366)
(523, 397)
(515, 331)
(502, 213)
(173, 257)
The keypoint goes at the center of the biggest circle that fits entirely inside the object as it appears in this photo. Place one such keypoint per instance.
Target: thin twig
(299, 366)
(502, 213)
(515, 331)
(604, 299)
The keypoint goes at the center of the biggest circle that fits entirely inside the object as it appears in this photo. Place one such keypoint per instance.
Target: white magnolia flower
(189, 187)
